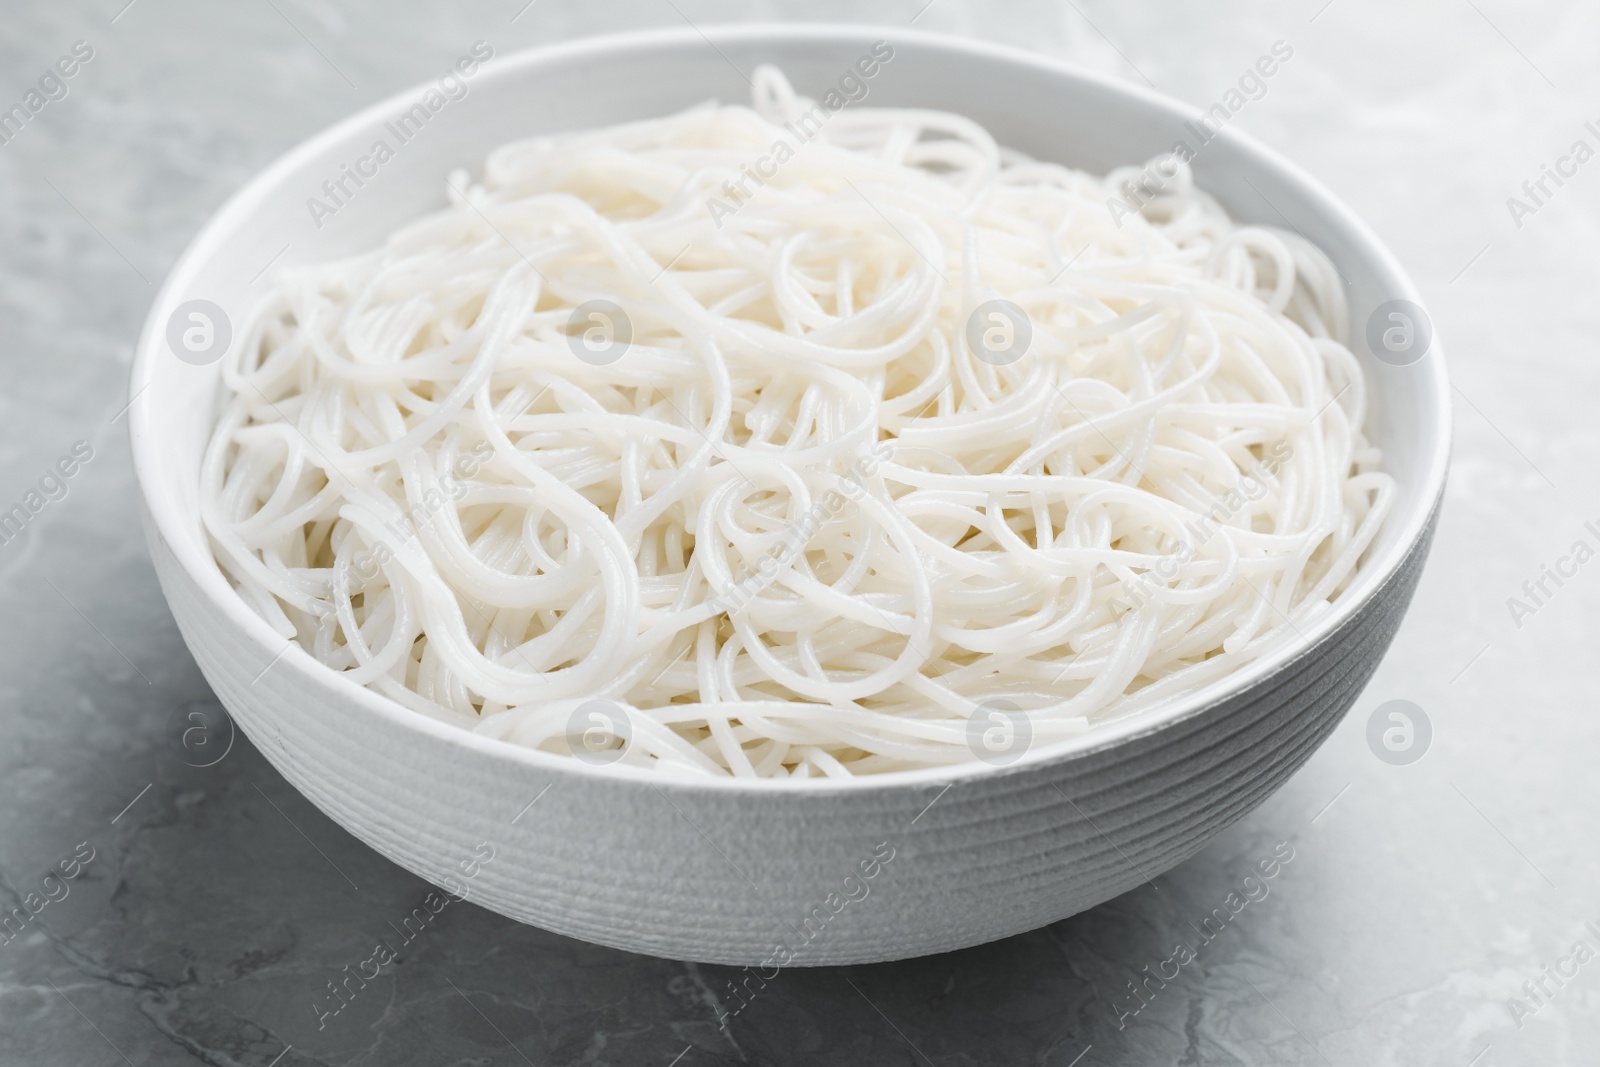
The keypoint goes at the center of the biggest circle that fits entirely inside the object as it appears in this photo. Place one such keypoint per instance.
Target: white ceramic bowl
(728, 871)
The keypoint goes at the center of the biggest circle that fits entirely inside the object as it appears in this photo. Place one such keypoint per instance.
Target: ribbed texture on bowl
(679, 871)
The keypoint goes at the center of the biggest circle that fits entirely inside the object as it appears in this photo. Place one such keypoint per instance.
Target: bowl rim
(201, 568)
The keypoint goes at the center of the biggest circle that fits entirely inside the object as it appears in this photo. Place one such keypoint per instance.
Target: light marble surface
(218, 905)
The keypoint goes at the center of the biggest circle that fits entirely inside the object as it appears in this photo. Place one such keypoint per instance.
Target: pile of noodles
(659, 446)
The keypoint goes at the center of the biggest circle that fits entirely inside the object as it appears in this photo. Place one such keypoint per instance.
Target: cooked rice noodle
(799, 526)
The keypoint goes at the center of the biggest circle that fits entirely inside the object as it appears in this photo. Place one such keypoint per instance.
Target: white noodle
(799, 526)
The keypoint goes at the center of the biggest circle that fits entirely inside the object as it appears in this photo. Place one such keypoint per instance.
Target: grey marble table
(1429, 913)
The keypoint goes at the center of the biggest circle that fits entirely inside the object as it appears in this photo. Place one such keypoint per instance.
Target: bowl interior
(1048, 110)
